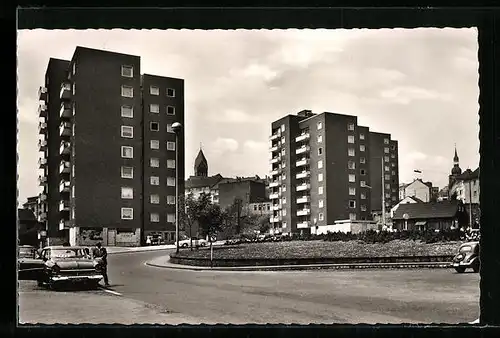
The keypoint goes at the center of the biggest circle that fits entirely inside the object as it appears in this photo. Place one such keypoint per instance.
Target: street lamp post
(176, 127)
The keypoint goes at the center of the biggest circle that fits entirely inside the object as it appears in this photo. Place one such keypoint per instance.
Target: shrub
(372, 236)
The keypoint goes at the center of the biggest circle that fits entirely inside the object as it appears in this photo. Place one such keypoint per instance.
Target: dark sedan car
(27, 261)
(63, 264)
(467, 257)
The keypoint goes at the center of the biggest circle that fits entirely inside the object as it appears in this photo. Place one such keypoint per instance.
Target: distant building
(418, 188)
(465, 188)
(430, 216)
(29, 227)
(262, 208)
(248, 190)
(32, 204)
(406, 200)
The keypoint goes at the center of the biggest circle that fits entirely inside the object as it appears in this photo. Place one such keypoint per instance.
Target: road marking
(111, 291)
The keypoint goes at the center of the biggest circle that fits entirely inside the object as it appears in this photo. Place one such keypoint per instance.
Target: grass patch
(324, 249)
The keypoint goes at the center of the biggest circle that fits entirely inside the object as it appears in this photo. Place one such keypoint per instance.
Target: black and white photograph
(279, 176)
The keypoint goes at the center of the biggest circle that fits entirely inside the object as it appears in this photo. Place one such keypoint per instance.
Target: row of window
(128, 214)
(128, 194)
(128, 172)
(128, 151)
(128, 71)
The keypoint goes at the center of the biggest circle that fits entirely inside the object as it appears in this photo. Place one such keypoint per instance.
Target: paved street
(145, 294)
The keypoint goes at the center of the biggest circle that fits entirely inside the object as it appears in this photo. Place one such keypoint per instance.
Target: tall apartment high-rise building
(108, 150)
(325, 168)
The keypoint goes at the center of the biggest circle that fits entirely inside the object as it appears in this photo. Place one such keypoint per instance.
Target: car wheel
(460, 269)
(203, 244)
(39, 283)
(185, 245)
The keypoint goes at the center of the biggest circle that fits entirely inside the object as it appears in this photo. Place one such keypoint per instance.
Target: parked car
(28, 263)
(73, 264)
(197, 242)
(467, 257)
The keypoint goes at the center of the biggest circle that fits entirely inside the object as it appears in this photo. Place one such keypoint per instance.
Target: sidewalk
(164, 262)
(122, 249)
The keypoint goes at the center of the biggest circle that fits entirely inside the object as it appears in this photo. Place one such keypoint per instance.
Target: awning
(421, 223)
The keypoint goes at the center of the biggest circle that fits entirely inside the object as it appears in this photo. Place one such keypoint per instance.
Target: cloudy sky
(419, 85)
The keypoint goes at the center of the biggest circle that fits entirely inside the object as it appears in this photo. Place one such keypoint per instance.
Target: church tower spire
(201, 164)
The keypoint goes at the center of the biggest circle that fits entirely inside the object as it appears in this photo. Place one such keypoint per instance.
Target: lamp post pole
(176, 127)
(470, 204)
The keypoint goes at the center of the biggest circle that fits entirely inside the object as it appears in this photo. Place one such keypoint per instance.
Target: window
(386, 158)
(387, 177)
(321, 216)
(361, 136)
(320, 138)
(283, 225)
(393, 156)
(72, 213)
(393, 165)
(73, 168)
(154, 162)
(351, 165)
(386, 141)
(283, 164)
(154, 199)
(352, 191)
(363, 195)
(171, 218)
(74, 88)
(387, 195)
(350, 126)
(352, 216)
(154, 126)
(282, 128)
(394, 198)
(352, 178)
(362, 172)
(154, 90)
(127, 172)
(320, 190)
(283, 188)
(283, 212)
(283, 152)
(320, 164)
(388, 186)
(320, 151)
(350, 139)
(170, 92)
(127, 213)
(283, 139)
(363, 207)
(127, 131)
(73, 191)
(386, 150)
(154, 108)
(283, 177)
(351, 152)
(154, 144)
(283, 201)
(352, 204)
(127, 152)
(127, 111)
(320, 125)
(154, 180)
(362, 160)
(362, 147)
(154, 217)
(170, 110)
(321, 203)
(362, 183)
(127, 193)
(171, 146)
(169, 128)
(127, 71)
(320, 177)
(127, 91)
(170, 199)
(171, 181)
(171, 164)
(73, 71)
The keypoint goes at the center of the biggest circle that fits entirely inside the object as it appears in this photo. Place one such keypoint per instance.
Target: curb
(416, 265)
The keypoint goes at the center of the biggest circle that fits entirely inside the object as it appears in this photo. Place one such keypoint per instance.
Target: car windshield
(26, 252)
(67, 253)
(465, 249)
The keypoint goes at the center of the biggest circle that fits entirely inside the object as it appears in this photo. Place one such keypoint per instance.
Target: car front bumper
(76, 278)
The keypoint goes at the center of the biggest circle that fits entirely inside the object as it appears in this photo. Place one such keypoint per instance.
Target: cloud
(223, 145)
(232, 116)
(406, 95)
(256, 146)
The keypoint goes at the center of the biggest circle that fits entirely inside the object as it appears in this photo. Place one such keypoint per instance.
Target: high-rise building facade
(325, 168)
(108, 149)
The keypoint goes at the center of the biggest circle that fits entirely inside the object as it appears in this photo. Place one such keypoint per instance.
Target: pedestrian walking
(101, 253)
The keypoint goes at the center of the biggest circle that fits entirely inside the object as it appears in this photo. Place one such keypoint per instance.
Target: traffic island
(316, 255)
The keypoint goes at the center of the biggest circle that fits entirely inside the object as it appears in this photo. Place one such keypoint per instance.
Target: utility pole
(470, 204)
(383, 193)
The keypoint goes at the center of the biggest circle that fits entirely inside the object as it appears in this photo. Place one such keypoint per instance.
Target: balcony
(274, 184)
(276, 207)
(42, 109)
(42, 180)
(303, 199)
(275, 219)
(42, 145)
(64, 224)
(42, 127)
(274, 196)
(65, 148)
(274, 149)
(42, 162)
(303, 225)
(275, 136)
(302, 162)
(42, 217)
(42, 198)
(275, 160)
(65, 112)
(302, 137)
(302, 150)
(303, 187)
(65, 129)
(303, 212)
(65, 93)
(275, 172)
(64, 167)
(64, 186)
(303, 174)
(64, 206)
(42, 93)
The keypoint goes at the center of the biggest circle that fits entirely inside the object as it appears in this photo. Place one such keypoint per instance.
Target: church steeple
(201, 164)
(456, 164)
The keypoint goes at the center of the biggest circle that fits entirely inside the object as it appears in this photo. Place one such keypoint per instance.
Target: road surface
(302, 297)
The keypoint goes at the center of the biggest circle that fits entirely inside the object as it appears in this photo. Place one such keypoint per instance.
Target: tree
(210, 220)
(190, 210)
